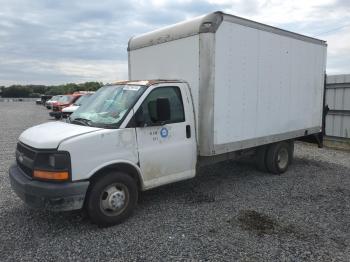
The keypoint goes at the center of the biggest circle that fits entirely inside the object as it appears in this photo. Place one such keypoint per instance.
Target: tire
(111, 199)
(278, 157)
(291, 151)
(57, 117)
(260, 158)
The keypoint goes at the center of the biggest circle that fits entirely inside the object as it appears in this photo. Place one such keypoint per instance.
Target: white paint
(258, 85)
(162, 159)
(265, 84)
(93, 151)
(49, 135)
(70, 109)
(171, 60)
(171, 157)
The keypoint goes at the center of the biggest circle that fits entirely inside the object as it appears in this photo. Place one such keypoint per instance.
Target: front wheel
(112, 198)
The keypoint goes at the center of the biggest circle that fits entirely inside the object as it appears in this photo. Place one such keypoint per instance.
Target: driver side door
(167, 151)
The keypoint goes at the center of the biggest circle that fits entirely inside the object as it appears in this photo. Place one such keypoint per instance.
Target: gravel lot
(229, 212)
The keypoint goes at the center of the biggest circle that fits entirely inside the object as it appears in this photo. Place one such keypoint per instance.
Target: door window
(172, 93)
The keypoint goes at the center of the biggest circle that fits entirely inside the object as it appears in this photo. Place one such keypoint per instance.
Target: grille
(26, 151)
(25, 158)
(28, 171)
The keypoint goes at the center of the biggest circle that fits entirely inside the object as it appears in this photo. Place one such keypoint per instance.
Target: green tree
(40, 89)
(1, 89)
(16, 91)
(36, 90)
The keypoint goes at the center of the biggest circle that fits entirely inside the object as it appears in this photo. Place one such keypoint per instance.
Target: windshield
(108, 106)
(64, 99)
(54, 98)
(81, 99)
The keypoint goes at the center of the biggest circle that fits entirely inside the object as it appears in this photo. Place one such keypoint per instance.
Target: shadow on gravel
(262, 224)
(298, 161)
(257, 222)
(197, 197)
(205, 187)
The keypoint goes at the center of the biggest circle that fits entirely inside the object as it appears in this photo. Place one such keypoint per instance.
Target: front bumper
(46, 195)
(56, 114)
(66, 114)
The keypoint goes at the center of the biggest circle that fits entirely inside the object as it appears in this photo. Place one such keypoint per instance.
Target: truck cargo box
(252, 84)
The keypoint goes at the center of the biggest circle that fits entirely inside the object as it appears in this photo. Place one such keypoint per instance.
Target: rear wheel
(112, 198)
(291, 151)
(279, 157)
(260, 158)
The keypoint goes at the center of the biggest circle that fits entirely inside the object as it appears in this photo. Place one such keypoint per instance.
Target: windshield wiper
(81, 121)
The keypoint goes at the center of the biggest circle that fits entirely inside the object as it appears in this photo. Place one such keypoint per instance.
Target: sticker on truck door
(160, 134)
(164, 132)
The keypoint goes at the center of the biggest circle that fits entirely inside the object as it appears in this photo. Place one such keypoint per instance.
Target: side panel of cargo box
(268, 87)
(178, 59)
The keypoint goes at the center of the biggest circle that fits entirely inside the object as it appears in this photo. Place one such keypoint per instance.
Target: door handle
(188, 131)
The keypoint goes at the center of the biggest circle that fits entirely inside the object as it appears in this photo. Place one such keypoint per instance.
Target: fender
(119, 162)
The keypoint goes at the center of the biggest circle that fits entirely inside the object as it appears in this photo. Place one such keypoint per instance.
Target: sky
(63, 41)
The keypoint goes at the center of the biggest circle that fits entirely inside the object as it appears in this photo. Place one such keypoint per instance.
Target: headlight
(52, 166)
(52, 161)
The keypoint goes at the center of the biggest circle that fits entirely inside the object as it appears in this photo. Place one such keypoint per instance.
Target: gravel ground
(229, 212)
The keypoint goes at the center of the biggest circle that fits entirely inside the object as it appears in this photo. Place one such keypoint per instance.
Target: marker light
(51, 175)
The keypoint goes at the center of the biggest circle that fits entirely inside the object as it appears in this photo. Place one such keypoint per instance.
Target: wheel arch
(124, 166)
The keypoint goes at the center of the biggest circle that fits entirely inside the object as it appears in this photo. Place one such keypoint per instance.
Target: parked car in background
(54, 99)
(67, 111)
(63, 102)
(42, 100)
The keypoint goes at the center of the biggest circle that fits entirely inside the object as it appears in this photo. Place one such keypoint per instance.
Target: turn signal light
(51, 175)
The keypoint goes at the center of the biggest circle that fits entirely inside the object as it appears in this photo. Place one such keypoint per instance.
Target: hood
(50, 135)
(70, 109)
(60, 104)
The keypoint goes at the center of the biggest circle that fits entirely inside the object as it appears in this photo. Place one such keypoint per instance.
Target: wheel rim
(114, 199)
(282, 158)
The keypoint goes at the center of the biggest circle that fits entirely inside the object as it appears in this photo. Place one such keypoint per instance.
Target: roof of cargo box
(207, 24)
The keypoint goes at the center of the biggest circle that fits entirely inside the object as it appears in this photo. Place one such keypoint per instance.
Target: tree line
(37, 90)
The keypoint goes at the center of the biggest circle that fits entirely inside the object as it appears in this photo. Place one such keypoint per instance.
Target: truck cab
(131, 136)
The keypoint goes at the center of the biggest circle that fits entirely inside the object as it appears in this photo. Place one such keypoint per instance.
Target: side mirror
(159, 110)
(163, 109)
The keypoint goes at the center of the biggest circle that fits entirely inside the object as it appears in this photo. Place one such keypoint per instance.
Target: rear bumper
(46, 195)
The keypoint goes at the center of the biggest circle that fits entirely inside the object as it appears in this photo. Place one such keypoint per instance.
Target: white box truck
(224, 87)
